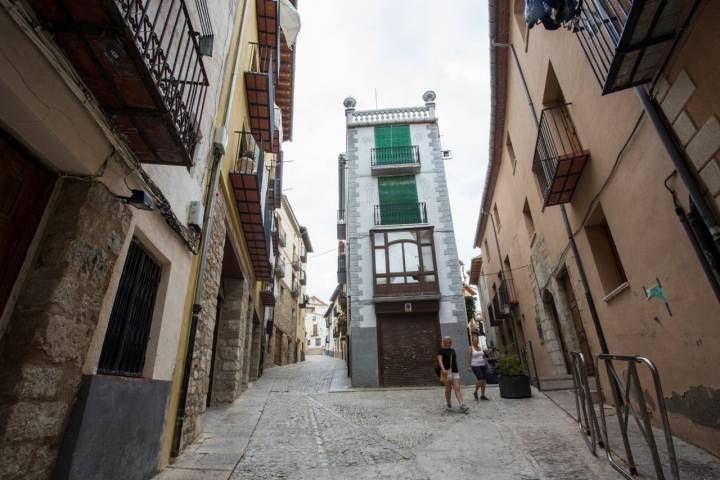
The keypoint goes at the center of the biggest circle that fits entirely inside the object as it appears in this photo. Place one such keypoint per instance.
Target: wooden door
(408, 345)
(577, 323)
(25, 188)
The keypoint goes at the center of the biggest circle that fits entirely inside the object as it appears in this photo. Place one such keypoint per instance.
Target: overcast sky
(401, 48)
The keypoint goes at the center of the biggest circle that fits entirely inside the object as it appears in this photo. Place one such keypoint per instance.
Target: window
(497, 217)
(317, 342)
(309, 342)
(398, 200)
(529, 224)
(392, 145)
(604, 251)
(519, 14)
(315, 331)
(123, 351)
(486, 251)
(404, 261)
(511, 153)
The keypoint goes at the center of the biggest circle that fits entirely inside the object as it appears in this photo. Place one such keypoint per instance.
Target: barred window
(123, 351)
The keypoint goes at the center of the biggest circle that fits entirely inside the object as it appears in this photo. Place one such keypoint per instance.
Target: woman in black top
(447, 360)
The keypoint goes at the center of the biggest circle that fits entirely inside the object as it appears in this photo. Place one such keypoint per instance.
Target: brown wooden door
(408, 345)
(278, 347)
(25, 187)
(577, 323)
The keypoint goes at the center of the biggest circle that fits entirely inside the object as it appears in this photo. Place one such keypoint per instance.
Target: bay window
(404, 261)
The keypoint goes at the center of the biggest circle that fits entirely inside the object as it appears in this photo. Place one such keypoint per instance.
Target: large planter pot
(492, 377)
(514, 386)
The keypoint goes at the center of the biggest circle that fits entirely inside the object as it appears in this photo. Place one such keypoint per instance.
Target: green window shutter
(392, 144)
(398, 200)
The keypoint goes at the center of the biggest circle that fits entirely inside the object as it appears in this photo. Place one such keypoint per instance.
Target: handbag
(443, 373)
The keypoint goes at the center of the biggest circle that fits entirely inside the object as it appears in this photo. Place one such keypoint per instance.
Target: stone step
(560, 382)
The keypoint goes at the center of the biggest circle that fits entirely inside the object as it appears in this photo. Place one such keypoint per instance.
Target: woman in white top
(479, 366)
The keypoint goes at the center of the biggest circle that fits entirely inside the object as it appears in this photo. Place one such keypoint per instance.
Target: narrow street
(300, 421)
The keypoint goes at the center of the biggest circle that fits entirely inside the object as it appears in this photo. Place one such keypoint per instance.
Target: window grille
(123, 351)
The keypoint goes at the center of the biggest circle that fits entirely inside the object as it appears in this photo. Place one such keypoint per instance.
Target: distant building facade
(316, 331)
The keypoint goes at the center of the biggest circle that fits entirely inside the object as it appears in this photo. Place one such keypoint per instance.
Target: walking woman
(478, 366)
(447, 360)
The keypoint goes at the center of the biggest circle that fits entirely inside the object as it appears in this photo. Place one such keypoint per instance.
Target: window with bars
(126, 339)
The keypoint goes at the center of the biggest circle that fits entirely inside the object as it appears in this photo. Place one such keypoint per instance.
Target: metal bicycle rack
(629, 400)
(586, 417)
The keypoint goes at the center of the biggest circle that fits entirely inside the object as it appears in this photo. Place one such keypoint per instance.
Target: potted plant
(514, 383)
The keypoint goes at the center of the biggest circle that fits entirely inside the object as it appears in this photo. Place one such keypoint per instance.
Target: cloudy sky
(400, 48)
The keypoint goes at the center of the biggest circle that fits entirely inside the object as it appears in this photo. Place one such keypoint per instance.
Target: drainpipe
(566, 222)
(219, 145)
(678, 161)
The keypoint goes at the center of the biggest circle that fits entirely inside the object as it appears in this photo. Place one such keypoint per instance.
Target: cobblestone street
(301, 421)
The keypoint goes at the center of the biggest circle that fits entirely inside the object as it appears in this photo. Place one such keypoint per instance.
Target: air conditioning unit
(446, 154)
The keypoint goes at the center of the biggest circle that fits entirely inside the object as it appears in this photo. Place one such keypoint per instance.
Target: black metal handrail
(599, 30)
(400, 213)
(556, 139)
(249, 151)
(395, 155)
(168, 43)
(507, 292)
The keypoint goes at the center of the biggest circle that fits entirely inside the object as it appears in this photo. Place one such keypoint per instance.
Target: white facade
(316, 331)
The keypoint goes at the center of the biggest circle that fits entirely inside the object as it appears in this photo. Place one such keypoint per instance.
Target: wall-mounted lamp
(139, 199)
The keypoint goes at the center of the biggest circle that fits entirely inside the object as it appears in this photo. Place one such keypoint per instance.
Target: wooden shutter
(392, 136)
(398, 200)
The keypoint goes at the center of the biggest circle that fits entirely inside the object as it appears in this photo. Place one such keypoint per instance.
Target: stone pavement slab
(302, 422)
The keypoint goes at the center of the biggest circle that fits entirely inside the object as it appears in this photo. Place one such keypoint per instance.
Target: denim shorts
(480, 371)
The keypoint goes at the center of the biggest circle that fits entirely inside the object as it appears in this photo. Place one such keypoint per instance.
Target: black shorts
(480, 372)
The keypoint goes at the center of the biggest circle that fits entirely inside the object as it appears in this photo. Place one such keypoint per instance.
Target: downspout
(219, 144)
(566, 222)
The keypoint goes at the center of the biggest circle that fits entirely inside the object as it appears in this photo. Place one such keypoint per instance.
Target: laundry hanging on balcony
(551, 13)
(289, 22)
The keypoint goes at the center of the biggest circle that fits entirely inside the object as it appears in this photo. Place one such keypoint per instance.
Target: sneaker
(464, 408)
(483, 397)
(448, 407)
(475, 395)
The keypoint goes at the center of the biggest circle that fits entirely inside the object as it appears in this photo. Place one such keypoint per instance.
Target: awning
(289, 22)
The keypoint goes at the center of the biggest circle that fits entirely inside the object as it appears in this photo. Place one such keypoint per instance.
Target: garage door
(408, 349)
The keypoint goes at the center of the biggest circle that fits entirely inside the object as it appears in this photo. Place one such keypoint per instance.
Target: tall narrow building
(401, 260)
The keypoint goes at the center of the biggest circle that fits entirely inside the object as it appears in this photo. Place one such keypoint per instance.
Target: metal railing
(296, 264)
(556, 139)
(507, 292)
(527, 354)
(280, 269)
(168, 44)
(395, 156)
(262, 58)
(341, 227)
(341, 269)
(629, 400)
(303, 278)
(400, 213)
(584, 406)
(249, 153)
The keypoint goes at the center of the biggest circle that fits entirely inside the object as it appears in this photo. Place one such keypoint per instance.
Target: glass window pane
(379, 260)
(397, 279)
(395, 254)
(425, 237)
(412, 279)
(379, 239)
(381, 280)
(402, 235)
(430, 278)
(412, 260)
(428, 264)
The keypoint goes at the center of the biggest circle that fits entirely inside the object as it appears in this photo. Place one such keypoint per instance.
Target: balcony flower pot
(513, 381)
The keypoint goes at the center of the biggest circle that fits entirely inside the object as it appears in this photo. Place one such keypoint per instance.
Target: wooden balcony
(267, 294)
(249, 182)
(626, 41)
(268, 15)
(142, 60)
(260, 78)
(559, 157)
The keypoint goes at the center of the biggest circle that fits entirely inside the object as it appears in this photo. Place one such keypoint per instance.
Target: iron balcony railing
(296, 264)
(625, 41)
(170, 47)
(341, 227)
(394, 155)
(249, 159)
(400, 213)
(303, 278)
(280, 269)
(559, 157)
(500, 311)
(341, 269)
(507, 292)
(262, 57)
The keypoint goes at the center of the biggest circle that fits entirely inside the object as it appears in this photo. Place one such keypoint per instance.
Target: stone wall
(254, 364)
(202, 354)
(247, 339)
(51, 328)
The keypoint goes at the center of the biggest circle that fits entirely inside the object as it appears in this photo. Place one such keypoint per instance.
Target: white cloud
(401, 48)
